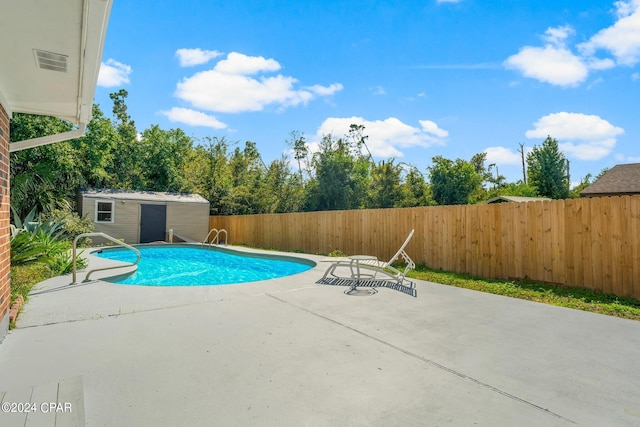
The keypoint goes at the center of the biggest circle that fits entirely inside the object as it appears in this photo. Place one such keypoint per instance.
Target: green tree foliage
(298, 145)
(128, 163)
(548, 170)
(518, 189)
(386, 191)
(415, 191)
(96, 151)
(341, 176)
(164, 155)
(43, 177)
(453, 182)
(585, 182)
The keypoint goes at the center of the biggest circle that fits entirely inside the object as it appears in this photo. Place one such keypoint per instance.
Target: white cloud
(627, 159)
(241, 64)
(551, 64)
(502, 156)
(635, 77)
(325, 90)
(387, 137)
(432, 128)
(600, 64)
(113, 73)
(592, 150)
(193, 118)
(557, 36)
(231, 88)
(378, 90)
(191, 57)
(582, 136)
(556, 64)
(622, 39)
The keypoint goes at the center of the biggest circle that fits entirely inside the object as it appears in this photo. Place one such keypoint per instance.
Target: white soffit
(51, 53)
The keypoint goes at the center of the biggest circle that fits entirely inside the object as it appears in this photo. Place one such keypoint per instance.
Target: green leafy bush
(45, 240)
(72, 224)
(24, 277)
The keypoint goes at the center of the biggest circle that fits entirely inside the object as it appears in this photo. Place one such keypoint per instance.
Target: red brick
(5, 290)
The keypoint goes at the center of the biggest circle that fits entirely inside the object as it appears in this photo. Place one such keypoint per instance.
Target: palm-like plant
(36, 240)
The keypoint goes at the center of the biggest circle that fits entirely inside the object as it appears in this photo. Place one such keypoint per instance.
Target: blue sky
(425, 78)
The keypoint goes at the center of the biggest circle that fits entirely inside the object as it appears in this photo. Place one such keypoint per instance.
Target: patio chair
(372, 266)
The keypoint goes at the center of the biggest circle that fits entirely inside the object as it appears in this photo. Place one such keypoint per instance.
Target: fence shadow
(336, 281)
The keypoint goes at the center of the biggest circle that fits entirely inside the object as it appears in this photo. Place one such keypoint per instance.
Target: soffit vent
(51, 61)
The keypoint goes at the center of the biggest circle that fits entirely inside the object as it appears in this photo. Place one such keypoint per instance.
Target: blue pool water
(182, 266)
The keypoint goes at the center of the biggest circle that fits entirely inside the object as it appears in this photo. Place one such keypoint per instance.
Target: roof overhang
(51, 54)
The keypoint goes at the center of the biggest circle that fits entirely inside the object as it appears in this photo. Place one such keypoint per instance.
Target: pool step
(58, 404)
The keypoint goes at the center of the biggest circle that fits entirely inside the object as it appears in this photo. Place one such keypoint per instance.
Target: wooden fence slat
(546, 245)
(627, 246)
(634, 232)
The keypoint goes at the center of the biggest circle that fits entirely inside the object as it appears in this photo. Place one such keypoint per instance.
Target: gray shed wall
(190, 220)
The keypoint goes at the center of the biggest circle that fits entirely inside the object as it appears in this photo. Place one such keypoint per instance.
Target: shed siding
(126, 223)
(189, 220)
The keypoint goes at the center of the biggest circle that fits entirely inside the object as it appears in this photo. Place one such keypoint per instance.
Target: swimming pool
(200, 266)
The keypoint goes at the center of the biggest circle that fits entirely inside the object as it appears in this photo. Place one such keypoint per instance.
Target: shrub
(46, 240)
(24, 277)
(72, 224)
(337, 253)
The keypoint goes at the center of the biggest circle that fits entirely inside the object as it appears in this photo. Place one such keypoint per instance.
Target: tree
(281, 188)
(548, 170)
(518, 189)
(524, 168)
(128, 163)
(165, 152)
(452, 183)
(300, 150)
(96, 151)
(334, 185)
(415, 190)
(43, 177)
(208, 173)
(490, 184)
(386, 191)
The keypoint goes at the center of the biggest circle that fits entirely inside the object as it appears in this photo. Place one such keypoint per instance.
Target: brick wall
(5, 290)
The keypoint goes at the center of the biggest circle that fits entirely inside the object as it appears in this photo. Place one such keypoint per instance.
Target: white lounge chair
(372, 266)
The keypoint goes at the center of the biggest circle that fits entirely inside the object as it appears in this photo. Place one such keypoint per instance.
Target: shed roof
(143, 196)
(619, 180)
(517, 199)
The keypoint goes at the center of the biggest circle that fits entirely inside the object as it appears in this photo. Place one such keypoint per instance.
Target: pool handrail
(105, 236)
(216, 237)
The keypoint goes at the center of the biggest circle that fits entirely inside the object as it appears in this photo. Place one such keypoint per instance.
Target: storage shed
(145, 216)
(515, 199)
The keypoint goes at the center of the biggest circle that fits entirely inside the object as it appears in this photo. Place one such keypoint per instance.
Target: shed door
(153, 223)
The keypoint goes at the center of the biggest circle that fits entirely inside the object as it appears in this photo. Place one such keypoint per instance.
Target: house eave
(75, 30)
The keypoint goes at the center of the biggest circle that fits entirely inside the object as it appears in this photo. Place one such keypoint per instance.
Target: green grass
(581, 299)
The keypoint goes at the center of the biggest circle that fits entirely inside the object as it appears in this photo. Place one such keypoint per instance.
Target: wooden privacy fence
(592, 243)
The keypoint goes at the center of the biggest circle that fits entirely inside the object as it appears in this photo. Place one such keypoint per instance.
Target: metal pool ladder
(106, 236)
(216, 237)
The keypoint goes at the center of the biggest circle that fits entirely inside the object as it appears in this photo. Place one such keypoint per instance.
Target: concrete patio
(292, 352)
